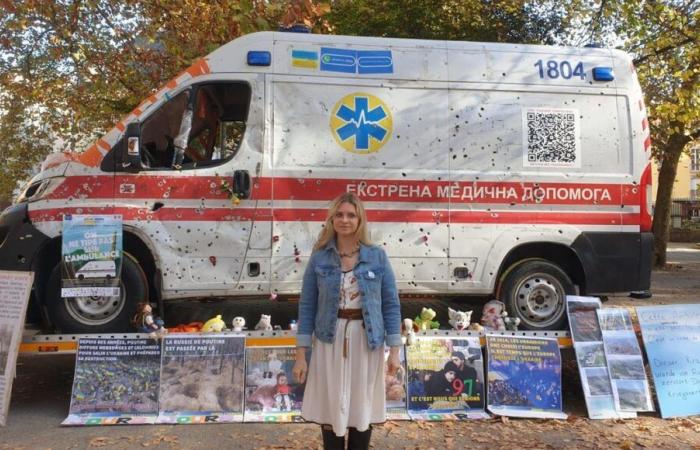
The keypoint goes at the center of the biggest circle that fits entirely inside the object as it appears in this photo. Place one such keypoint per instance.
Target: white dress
(346, 391)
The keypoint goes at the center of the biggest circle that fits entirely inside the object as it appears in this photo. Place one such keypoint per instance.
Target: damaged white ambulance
(514, 171)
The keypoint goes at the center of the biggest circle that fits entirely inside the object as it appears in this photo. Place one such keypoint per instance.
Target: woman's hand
(300, 368)
(392, 361)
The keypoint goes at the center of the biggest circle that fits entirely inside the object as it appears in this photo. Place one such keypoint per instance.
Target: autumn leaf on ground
(100, 442)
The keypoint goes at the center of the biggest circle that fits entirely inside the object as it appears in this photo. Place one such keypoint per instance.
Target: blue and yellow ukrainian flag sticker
(361, 123)
(305, 59)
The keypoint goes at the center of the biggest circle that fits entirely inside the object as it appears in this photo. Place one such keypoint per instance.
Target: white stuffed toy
(238, 324)
(265, 323)
(459, 320)
(495, 317)
(408, 331)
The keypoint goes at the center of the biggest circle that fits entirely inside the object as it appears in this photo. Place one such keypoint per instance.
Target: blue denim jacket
(320, 297)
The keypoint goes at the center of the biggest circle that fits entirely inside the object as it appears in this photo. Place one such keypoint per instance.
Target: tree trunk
(661, 226)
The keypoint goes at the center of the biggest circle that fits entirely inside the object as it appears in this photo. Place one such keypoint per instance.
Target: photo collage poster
(272, 394)
(590, 356)
(395, 386)
(630, 386)
(445, 378)
(524, 377)
(116, 382)
(671, 335)
(201, 379)
(91, 252)
(15, 288)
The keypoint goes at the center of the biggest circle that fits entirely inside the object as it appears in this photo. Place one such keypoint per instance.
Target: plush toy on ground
(145, 322)
(459, 319)
(214, 325)
(495, 317)
(425, 320)
(238, 324)
(408, 331)
(265, 323)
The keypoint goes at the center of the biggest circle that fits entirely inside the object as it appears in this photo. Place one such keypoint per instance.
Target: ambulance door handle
(241, 183)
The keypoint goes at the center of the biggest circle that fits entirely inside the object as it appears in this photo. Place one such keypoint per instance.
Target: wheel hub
(540, 299)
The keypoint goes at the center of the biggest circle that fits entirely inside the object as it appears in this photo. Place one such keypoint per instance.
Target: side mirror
(241, 184)
(131, 155)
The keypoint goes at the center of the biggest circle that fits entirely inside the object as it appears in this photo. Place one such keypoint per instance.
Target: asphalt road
(41, 397)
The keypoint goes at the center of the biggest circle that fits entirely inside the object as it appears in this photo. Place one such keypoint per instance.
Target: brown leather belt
(350, 314)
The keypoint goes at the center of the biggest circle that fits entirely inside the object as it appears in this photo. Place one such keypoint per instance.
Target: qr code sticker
(551, 138)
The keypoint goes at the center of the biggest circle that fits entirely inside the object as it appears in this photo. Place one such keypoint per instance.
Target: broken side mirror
(131, 156)
(241, 184)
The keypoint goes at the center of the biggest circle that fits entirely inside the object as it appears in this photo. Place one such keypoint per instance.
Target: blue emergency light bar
(603, 74)
(259, 58)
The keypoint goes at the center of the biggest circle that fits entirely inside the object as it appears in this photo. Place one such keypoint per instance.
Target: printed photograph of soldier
(626, 368)
(6, 331)
(632, 395)
(203, 381)
(584, 325)
(622, 344)
(614, 319)
(590, 354)
(597, 381)
(126, 385)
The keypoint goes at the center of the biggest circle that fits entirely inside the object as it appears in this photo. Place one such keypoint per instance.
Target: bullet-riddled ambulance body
(487, 169)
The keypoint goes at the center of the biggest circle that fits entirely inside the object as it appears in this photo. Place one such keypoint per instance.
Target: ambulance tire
(535, 292)
(98, 314)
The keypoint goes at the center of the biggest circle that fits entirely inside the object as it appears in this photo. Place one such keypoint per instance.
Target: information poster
(202, 377)
(395, 386)
(590, 356)
(272, 394)
(625, 364)
(14, 296)
(524, 377)
(445, 378)
(671, 337)
(115, 382)
(92, 254)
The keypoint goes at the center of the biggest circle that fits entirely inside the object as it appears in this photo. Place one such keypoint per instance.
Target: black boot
(330, 440)
(359, 440)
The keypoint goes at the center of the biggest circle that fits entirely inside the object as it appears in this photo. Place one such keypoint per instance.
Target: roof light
(296, 28)
(259, 58)
(603, 74)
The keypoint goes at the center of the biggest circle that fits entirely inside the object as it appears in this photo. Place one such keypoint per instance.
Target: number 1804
(555, 69)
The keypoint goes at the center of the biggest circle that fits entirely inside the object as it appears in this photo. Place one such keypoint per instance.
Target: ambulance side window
(210, 118)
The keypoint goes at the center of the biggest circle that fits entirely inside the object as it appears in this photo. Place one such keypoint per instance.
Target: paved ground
(41, 396)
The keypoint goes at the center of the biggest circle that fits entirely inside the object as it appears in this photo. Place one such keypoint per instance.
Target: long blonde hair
(328, 233)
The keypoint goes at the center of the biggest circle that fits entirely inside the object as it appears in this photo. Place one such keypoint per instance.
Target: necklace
(350, 254)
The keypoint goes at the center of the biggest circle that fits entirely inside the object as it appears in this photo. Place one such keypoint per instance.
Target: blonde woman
(349, 308)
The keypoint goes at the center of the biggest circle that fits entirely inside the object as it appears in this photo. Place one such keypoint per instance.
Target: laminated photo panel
(272, 394)
(630, 387)
(524, 377)
(445, 378)
(671, 336)
(202, 378)
(15, 288)
(395, 388)
(116, 382)
(588, 346)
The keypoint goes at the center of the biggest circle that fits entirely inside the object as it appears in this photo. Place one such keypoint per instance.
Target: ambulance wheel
(98, 314)
(535, 291)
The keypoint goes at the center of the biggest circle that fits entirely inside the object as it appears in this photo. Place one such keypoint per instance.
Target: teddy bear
(495, 317)
(408, 331)
(459, 320)
(265, 323)
(425, 319)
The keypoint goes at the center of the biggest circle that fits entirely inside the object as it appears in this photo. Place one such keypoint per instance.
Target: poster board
(115, 383)
(91, 253)
(15, 288)
(445, 378)
(201, 379)
(628, 378)
(671, 337)
(395, 388)
(590, 357)
(272, 393)
(524, 377)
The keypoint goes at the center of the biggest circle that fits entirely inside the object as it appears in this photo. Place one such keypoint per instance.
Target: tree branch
(661, 51)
